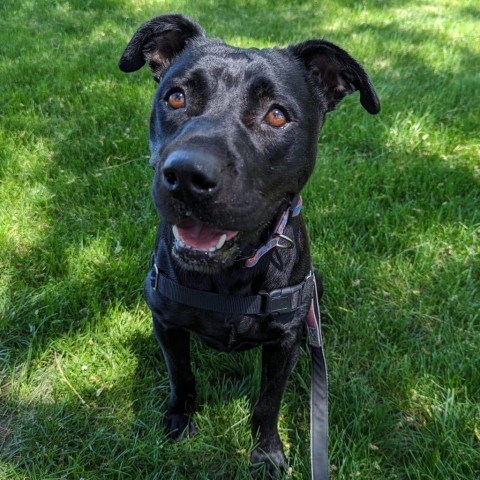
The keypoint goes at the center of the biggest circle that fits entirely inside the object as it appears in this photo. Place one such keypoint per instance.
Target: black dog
(233, 139)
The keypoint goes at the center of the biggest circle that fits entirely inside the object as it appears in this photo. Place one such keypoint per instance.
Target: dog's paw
(177, 425)
(271, 465)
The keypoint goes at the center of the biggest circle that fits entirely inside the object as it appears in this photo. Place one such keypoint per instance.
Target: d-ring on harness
(282, 300)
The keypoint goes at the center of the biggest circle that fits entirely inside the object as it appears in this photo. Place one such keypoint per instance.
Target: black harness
(282, 300)
(279, 301)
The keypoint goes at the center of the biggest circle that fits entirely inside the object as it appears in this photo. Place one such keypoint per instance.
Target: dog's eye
(176, 99)
(276, 118)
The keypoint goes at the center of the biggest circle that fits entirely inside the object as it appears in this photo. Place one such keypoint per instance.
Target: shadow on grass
(60, 292)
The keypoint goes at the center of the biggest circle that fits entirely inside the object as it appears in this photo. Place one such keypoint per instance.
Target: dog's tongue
(200, 236)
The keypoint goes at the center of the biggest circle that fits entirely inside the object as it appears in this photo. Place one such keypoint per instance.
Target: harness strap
(282, 300)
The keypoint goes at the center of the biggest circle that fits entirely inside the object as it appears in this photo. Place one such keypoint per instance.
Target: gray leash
(319, 416)
(318, 394)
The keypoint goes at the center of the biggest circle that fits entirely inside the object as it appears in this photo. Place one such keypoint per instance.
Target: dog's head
(233, 132)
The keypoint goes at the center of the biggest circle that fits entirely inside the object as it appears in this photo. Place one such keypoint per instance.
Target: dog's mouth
(200, 246)
(198, 236)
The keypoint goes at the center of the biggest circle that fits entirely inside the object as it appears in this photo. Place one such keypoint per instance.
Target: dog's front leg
(277, 364)
(175, 345)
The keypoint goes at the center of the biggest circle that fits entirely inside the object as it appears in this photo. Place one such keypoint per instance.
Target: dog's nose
(191, 173)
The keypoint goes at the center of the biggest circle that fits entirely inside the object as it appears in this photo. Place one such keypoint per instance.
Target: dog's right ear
(157, 42)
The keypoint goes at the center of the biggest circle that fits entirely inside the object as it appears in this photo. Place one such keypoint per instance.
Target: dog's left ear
(158, 42)
(335, 73)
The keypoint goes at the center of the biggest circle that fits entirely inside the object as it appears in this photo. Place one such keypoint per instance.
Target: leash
(318, 393)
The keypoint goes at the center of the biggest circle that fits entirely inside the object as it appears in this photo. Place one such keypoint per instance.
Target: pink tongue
(201, 236)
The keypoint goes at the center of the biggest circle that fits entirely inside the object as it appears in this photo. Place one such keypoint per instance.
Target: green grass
(393, 211)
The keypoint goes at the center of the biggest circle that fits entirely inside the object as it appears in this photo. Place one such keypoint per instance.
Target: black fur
(221, 166)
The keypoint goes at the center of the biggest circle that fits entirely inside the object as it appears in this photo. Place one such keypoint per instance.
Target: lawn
(393, 212)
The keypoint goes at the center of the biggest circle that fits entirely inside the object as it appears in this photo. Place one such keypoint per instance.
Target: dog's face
(233, 132)
(232, 138)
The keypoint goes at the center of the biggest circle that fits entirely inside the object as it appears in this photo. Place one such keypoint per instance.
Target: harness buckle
(287, 299)
(282, 300)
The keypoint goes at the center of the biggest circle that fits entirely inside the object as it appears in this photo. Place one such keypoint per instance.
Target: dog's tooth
(212, 249)
(221, 242)
(178, 238)
(176, 234)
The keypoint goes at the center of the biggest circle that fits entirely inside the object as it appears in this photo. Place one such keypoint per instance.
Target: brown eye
(276, 118)
(176, 99)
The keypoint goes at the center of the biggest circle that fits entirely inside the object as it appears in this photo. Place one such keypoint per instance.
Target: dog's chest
(226, 333)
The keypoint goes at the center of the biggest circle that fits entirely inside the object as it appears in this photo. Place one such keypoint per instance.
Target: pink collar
(278, 239)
